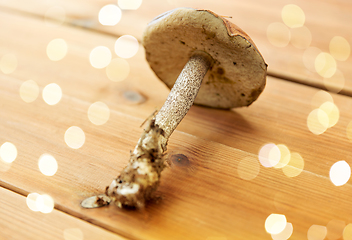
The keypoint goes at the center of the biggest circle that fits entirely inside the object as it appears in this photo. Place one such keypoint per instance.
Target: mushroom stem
(140, 178)
(183, 93)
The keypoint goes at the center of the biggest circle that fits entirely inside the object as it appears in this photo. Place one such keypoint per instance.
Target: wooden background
(205, 198)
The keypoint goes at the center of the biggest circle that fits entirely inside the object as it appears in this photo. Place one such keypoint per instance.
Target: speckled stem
(141, 177)
(183, 93)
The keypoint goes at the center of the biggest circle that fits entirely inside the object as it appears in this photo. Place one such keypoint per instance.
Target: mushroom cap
(238, 72)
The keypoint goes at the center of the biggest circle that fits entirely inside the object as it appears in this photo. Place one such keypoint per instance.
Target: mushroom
(204, 59)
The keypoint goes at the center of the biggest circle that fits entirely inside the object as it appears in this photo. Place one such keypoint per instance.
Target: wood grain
(206, 198)
(19, 222)
(252, 16)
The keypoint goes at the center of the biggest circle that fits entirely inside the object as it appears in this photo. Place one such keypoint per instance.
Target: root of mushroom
(141, 177)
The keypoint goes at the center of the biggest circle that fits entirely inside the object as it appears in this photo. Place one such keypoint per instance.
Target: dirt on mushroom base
(136, 183)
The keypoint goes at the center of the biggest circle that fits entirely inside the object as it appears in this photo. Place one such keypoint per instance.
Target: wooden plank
(17, 221)
(95, 86)
(188, 208)
(208, 198)
(253, 16)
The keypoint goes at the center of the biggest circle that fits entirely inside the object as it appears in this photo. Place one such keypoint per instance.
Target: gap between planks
(63, 209)
(65, 23)
(306, 82)
(56, 222)
(272, 73)
(99, 223)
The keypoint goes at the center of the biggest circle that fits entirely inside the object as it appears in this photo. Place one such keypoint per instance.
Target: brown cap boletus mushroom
(204, 59)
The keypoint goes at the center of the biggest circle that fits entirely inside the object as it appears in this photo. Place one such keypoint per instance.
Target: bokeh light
(129, 4)
(309, 56)
(275, 223)
(335, 83)
(317, 232)
(321, 97)
(285, 156)
(126, 46)
(45, 203)
(347, 232)
(325, 115)
(98, 113)
(75, 137)
(8, 63)
(295, 166)
(56, 49)
(8, 152)
(248, 168)
(56, 13)
(293, 16)
(317, 121)
(52, 94)
(285, 234)
(339, 48)
(31, 201)
(301, 37)
(100, 57)
(73, 234)
(325, 65)
(335, 229)
(40, 203)
(47, 165)
(269, 155)
(118, 70)
(29, 91)
(340, 173)
(332, 112)
(110, 15)
(278, 34)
